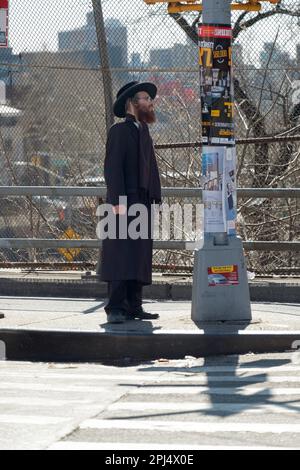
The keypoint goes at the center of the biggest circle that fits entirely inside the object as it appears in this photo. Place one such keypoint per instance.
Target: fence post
(104, 61)
(106, 76)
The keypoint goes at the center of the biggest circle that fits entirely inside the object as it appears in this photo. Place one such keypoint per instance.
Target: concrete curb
(259, 292)
(82, 346)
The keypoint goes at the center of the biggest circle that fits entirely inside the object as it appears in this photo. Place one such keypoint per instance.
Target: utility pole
(220, 284)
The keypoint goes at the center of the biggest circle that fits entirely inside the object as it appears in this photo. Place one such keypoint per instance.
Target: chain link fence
(63, 66)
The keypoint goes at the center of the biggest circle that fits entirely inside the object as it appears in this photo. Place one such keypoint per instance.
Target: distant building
(278, 60)
(117, 39)
(136, 63)
(179, 55)
(7, 69)
(185, 55)
(273, 56)
(161, 58)
(238, 55)
(70, 40)
(136, 60)
(11, 135)
(85, 39)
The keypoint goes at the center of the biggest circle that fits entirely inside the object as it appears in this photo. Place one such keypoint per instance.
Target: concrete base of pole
(220, 302)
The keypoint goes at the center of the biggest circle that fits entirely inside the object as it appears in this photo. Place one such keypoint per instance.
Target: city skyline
(148, 27)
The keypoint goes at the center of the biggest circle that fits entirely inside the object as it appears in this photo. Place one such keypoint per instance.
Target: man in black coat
(131, 175)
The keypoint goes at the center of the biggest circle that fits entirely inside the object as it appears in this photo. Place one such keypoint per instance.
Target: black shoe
(142, 315)
(116, 316)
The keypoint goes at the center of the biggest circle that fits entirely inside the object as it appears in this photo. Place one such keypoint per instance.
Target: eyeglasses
(147, 98)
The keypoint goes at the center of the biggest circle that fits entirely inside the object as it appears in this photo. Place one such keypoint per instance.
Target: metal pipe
(21, 243)
(100, 191)
(249, 141)
(181, 8)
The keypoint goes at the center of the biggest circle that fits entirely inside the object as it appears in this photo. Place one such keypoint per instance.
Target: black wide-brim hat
(128, 91)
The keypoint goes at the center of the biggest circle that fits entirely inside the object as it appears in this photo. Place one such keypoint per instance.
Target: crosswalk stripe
(160, 389)
(38, 420)
(243, 368)
(190, 406)
(50, 387)
(187, 369)
(198, 390)
(162, 378)
(74, 445)
(32, 401)
(97, 377)
(189, 426)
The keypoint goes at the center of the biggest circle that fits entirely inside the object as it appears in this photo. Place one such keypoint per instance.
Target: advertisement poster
(3, 23)
(212, 171)
(216, 84)
(223, 276)
(229, 191)
(219, 189)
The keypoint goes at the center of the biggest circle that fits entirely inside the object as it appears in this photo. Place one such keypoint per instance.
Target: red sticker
(206, 31)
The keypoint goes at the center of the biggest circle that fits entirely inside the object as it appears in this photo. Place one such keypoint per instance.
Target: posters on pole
(216, 84)
(229, 191)
(212, 171)
(219, 189)
(4, 23)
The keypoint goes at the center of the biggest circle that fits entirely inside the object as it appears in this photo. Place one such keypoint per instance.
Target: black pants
(124, 295)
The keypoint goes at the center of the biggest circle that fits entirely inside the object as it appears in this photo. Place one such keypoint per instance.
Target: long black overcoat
(125, 259)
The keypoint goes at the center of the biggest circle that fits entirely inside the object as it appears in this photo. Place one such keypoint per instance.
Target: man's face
(145, 107)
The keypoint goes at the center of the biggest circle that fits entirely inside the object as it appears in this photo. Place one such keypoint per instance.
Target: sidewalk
(68, 329)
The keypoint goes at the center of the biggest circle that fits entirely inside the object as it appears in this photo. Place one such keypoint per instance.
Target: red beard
(146, 116)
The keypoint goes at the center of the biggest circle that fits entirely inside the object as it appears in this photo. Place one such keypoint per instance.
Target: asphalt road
(250, 401)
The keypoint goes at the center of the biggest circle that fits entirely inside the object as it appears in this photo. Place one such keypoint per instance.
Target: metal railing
(53, 191)
(100, 191)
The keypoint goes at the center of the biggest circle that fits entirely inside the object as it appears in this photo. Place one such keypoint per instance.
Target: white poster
(219, 189)
(212, 170)
(229, 191)
(213, 212)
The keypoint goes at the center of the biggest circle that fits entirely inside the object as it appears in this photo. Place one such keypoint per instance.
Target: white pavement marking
(73, 445)
(32, 401)
(199, 390)
(178, 377)
(84, 377)
(190, 426)
(30, 420)
(238, 368)
(181, 378)
(50, 387)
(161, 368)
(196, 407)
